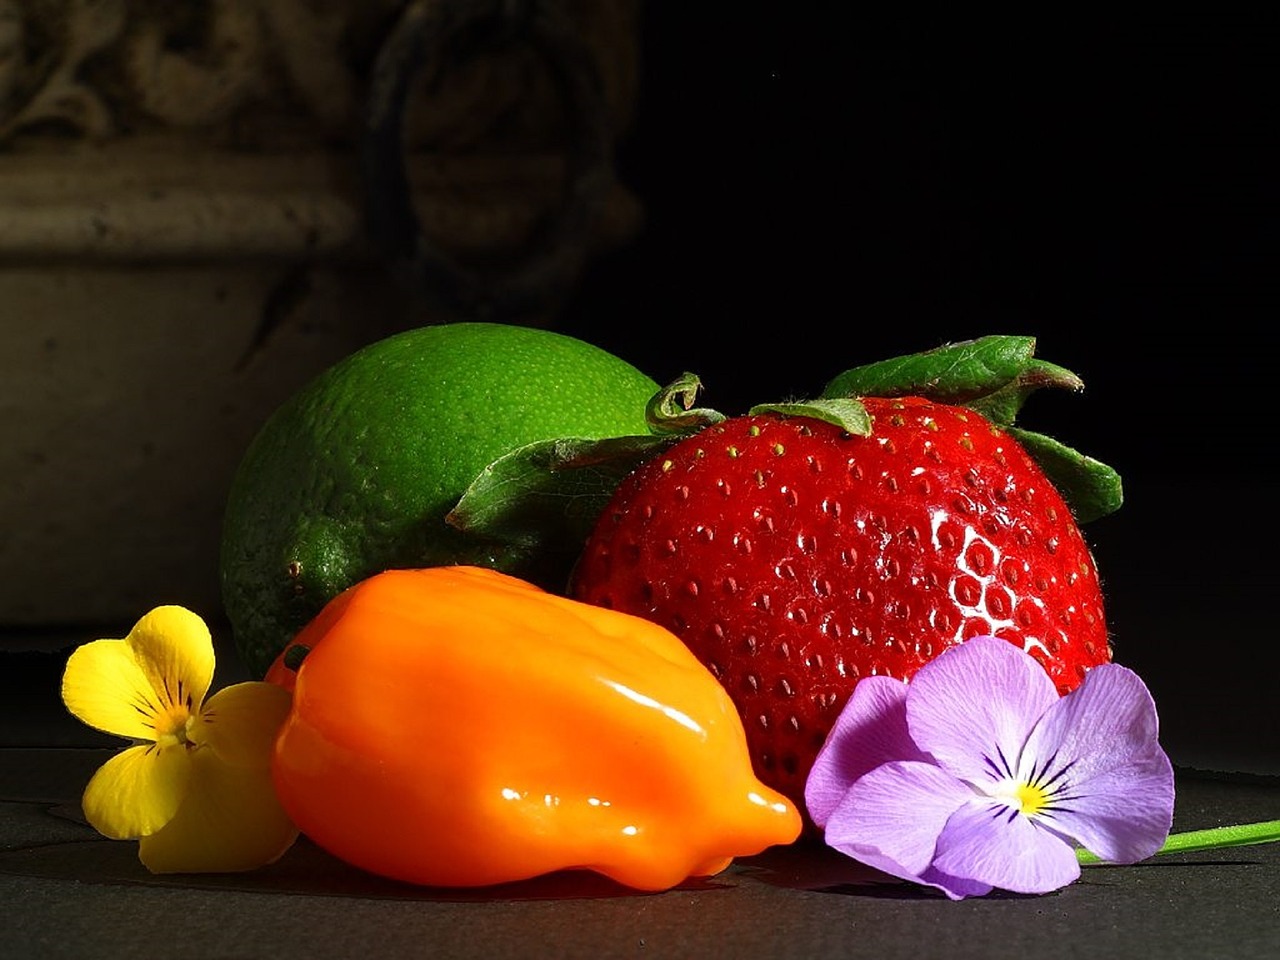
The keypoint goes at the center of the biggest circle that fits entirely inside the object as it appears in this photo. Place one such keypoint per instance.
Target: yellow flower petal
(104, 687)
(158, 674)
(174, 650)
(240, 722)
(138, 791)
(230, 821)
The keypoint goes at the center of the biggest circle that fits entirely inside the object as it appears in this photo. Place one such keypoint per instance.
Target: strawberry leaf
(952, 373)
(548, 494)
(848, 414)
(1091, 488)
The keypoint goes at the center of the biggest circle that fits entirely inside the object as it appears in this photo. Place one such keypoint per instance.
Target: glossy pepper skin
(455, 726)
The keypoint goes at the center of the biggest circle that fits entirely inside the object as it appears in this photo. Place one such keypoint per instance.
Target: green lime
(355, 473)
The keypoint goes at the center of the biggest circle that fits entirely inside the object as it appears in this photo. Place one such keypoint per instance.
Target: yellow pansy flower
(195, 788)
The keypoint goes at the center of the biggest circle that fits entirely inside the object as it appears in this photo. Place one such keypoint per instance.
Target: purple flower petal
(972, 707)
(1097, 754)
(1122, 816)
(1109, 720)
(891, 817)
(957, 888)
(871, 730)
(989, 842)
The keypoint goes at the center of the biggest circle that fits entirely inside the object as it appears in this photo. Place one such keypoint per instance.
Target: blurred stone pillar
(203, 204)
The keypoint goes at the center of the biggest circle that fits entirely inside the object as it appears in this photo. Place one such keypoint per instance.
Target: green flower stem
(1237, 835)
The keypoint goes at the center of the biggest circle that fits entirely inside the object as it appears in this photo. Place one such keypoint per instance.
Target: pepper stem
(294, 656)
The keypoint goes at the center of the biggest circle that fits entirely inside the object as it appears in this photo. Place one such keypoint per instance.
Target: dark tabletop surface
(69, 893)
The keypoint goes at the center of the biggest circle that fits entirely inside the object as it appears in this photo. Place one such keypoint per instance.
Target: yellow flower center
(1030, 799)
(173, 726)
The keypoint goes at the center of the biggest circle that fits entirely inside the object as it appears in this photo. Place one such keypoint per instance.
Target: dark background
(823, 189)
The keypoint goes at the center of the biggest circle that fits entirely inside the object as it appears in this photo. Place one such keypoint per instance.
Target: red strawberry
(794, 557)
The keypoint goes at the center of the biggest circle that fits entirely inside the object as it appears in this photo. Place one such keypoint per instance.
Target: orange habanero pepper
(455, 726)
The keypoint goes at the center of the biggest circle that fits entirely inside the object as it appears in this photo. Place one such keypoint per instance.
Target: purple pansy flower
(977, 775)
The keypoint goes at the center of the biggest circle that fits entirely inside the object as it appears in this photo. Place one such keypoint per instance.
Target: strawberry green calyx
(955, 373)
(1003, 405)
(545, 496)
(671, 411)
(847, 414)
(1091, 488)
(994, 375)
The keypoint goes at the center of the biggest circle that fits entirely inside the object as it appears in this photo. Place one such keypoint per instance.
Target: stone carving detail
(487, 179)
(276, 73)
(40, 83)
